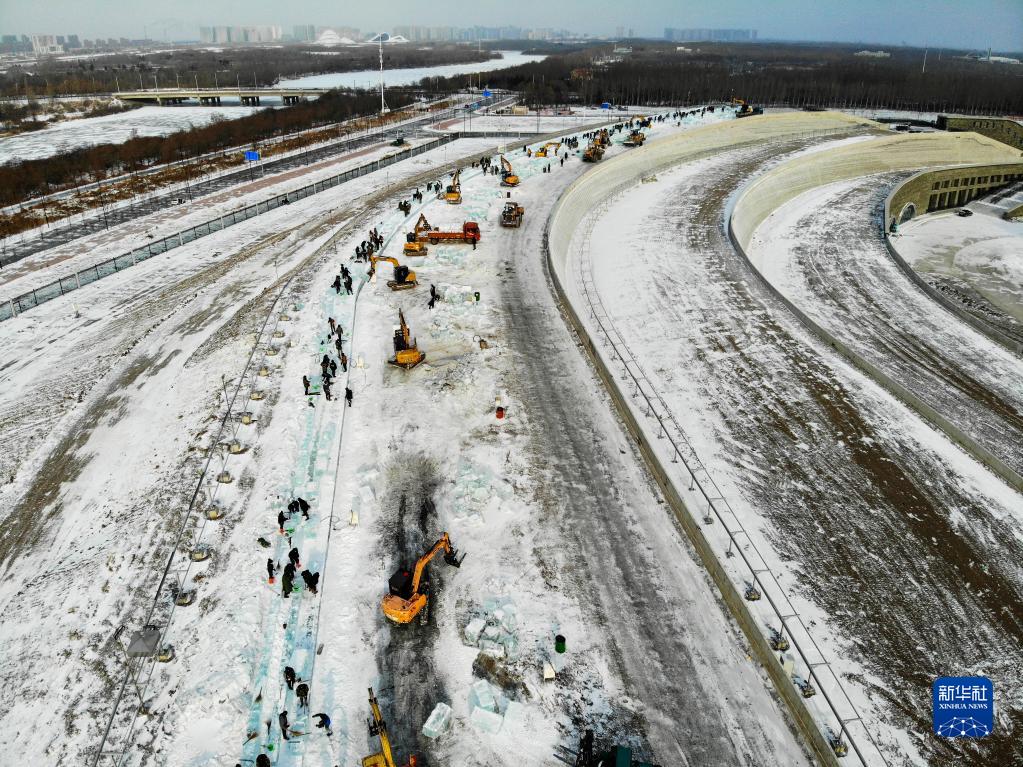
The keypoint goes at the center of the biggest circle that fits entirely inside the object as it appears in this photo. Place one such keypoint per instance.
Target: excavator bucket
(452, 558)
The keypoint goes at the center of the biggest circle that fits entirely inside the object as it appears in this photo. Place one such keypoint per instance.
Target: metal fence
(12, 307)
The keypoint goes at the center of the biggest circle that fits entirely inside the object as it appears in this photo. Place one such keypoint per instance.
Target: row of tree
(770, 75)
(249, 67)
(33, 178)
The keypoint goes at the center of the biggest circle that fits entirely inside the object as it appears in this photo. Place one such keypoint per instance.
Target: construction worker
(282, 718)
(270, 570)
(280, 521)
(289, 677)
(263, 761)
(330, 320)
(305, 384)
(286, 584)
(323, 722)
(344, 361)
(333, 369)
(348, 396)
(289, 572)
(302, 691)
(311, 579)
(336, 284)
(294, 558)
(326, 387)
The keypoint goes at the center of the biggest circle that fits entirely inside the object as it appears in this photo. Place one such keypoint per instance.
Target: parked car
(964, 212)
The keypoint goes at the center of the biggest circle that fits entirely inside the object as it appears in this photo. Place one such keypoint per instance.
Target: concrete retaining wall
(787, 181)
(893, 206)
(584, 194)
(945, 188)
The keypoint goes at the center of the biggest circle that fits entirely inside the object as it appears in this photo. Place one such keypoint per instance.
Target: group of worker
(367, 248)
(344, 278)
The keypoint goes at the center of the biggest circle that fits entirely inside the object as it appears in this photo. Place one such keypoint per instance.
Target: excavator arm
(450, 556)
(422, 225)
(505, 165)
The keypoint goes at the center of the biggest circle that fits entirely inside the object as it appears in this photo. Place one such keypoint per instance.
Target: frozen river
(370, 78)
(161, 121)
(112, 129)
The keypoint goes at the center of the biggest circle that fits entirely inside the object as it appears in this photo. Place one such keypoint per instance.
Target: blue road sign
(605, 105)
(252, 156)
(486, 93)
(964, 706)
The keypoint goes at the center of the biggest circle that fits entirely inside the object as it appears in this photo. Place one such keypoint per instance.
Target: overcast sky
(937, 23)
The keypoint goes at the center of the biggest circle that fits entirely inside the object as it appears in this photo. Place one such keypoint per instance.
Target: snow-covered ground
(983, 252)
(898, 553)
(112, 129)
(548, 123)
(118, 404)
(370, 78)
(825, 252)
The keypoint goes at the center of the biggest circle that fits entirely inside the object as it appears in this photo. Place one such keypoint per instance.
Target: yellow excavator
(378, 727)
(406, 353)
(453, 192)
(404, 278)
(404, 600)
(593, 153)
(603, 138)
(546, 148)
(414, 246)
(508, 178)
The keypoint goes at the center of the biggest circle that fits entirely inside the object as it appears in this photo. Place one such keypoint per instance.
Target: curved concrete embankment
(909, 152)
(580, 199)
(897, 153)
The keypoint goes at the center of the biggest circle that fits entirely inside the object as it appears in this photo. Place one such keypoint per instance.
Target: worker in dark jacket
(283, 719)
(323, 721)
(289, 677)
(270, 569)
(311, 580)
(302, 691)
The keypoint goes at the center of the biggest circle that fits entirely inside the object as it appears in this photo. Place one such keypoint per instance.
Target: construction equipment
(603, 138)
(378, 727)
(546, 148)
(470, 233)
(414, 246)
(512, 214)
(508, 178)
(588, 756)
(745, 109)
(406, 353)
(453, 191)
(636, 138)
(593, 153)
(408, 591)
(404, 278)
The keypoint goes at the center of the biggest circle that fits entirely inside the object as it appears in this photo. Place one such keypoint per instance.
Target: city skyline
(941, 23)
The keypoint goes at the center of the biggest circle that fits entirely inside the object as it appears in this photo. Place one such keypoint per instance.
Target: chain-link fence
(11, 307)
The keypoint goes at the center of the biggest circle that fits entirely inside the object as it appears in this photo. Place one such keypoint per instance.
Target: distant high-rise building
(710, 35)
(46, 44)
(304, 32)
(259, 34)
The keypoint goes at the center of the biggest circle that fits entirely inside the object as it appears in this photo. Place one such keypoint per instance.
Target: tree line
(32, 178)
(247, 66)
(794, 75)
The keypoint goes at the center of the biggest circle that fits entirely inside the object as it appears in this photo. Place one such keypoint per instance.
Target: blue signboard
(486, 93)
(964, 706)
(252, 156)
(605, 105)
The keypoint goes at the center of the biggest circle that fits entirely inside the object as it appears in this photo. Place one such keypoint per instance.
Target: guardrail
(12, 307)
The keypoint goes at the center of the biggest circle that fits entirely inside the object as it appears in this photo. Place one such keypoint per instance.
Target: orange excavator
(378, 727)
(404, 278)
(407, 592)
(453, 192)
(508, 178)
(593, 153)
(414, 244)
(406, 353)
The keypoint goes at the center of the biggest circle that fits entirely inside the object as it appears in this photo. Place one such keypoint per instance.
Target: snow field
(658, 309)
